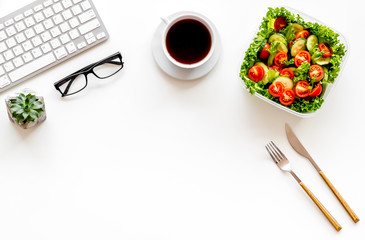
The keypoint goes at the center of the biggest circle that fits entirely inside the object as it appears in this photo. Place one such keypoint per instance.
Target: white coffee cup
(170, 22)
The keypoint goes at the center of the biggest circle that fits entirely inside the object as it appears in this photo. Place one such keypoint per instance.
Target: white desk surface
(145, 156)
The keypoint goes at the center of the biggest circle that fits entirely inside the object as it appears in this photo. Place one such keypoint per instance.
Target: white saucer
(175, 71)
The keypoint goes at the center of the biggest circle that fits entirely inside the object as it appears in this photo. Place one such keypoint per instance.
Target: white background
(146, 156)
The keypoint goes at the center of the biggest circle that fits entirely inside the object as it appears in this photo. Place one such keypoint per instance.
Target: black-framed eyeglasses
(102, 69)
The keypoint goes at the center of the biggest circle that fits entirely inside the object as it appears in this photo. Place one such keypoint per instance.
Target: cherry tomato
(287, 97)
(273, 67)
(302, 34)
(301, 57)
(280, 59)
(256, 73)
(317, 72)
(264, 53)
(280, 23)
(316, 90)
(327, 49)
(276, 89)
(302, 89)
(287, 72)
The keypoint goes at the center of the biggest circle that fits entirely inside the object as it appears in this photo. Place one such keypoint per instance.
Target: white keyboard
(44, 34)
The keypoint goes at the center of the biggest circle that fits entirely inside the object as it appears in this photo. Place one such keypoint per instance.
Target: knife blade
(299, 148)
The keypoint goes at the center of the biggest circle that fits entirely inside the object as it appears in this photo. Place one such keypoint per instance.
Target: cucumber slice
(265, 79)
(277, 37)
(297, 45)
(311, 42)
(322, 60)
(325, 74)
(281, 47)
(270, 60)
(286, 81)
(297, 27)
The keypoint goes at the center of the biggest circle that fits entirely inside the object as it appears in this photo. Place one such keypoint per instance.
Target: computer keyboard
(44, 34)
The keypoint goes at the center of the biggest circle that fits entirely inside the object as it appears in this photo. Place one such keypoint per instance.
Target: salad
(291, 61)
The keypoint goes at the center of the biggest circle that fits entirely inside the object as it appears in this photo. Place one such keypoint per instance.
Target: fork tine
(272, 156)
(277, 150)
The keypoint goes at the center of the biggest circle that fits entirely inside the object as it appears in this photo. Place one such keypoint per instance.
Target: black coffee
(188, 41)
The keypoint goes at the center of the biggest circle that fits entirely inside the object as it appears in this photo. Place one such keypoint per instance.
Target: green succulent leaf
(26, 108)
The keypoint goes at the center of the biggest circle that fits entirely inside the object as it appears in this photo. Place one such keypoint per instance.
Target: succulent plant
(26, 108)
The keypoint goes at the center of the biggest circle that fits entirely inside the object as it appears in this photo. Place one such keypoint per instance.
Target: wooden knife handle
(340, 198)
(322, 208)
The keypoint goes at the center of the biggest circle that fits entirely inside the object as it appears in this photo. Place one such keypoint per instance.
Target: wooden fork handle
(332, 220)
(340, 198)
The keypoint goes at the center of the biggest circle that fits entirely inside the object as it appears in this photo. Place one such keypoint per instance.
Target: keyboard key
(29, 21)
(10, 31)
(8, 66)
(65, 27)
(76, 1)
(28, 12)
(2, 71)
(27, 45)
(20, 26)
(46, 48)
(38, 8)
(86, 16)
(20, 37)
(8, 55)
(66, 3)
(100, 35)
(48, 12)
(36, 41)
(71, 47)
(32, 67)
(18, 50)
(39, 17)
(81, 45)
(29, 33)
(2, 60)
(60, 52)
(76, 10)
(67, 14)
(65, 38)
(55, 43)
(47, 3)
(46, 36)
(4, 81)
(57, 8)
(8, 22)
(18, 62)
(57, 19)
(74, 22)
(74, 34)
(48, 24)
(55, 32)
(39, 28)
(2, 35)
(27, 57)
(91, 25)
(36, 52)
(85, 5)
(2, 47)
(10, 42)
(91, 40)
(18, 17)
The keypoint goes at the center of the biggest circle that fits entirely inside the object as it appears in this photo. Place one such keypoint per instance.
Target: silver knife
(299, 148)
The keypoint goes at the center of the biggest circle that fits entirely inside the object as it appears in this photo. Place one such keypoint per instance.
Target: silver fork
(283, 163)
